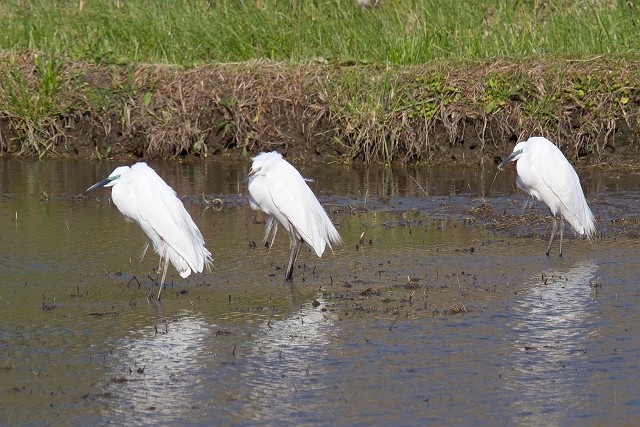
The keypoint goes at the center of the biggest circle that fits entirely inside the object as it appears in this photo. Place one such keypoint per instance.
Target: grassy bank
(399, 32)
(435, 112)
(407, 81)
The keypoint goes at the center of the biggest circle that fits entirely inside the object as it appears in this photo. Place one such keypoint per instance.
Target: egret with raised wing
(278, 189)
(144, 198)
(546, 174)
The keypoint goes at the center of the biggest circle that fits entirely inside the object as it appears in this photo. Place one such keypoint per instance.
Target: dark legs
(164, 265)
(553, 232)
(561, 233)
(296, 245)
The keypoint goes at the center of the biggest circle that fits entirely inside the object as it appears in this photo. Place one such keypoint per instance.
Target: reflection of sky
(552, 324)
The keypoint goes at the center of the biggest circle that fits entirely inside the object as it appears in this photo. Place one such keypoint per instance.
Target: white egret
(278, 189)
(144, 198)
(545, 174)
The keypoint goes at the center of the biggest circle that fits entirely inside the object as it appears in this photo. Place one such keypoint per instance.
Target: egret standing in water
(143, 197)
(278, 189)
(545, 174)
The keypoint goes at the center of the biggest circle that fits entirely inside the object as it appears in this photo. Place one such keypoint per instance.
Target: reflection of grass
(399, 32)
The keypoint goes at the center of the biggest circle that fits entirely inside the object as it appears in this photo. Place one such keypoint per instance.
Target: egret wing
(298, 205)
(560, 177)
(165, 213)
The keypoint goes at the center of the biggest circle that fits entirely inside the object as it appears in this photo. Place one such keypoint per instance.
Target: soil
(142, 111)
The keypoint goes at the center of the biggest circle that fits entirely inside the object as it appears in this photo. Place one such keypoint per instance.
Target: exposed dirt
(431, 113)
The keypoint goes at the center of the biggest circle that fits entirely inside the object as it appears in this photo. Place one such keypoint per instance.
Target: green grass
(34, 105)
(297, 31)
(428, 72)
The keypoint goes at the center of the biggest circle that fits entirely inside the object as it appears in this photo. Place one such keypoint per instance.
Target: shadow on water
(439, 308)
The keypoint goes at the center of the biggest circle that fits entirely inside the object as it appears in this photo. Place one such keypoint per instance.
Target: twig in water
(132, 279)
(394, 321)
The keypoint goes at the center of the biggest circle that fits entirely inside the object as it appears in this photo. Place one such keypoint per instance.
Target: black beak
(505, 161)
(99, 184)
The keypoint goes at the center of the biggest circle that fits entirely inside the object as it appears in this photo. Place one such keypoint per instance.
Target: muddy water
(439, 308)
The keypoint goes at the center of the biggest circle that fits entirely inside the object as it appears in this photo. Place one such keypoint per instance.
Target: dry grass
(433, 113)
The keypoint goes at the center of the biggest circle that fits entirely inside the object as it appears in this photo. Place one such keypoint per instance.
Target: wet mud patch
(521, 217)
(401, 267)
(455, 273)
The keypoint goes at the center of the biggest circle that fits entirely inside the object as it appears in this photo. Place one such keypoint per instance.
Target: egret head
(252, 172)
(518, 151)
(262, 162)
(112, 179)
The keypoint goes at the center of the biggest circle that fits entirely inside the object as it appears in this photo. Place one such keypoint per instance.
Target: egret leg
(164, 272)
(296, 245)
(160, 267)
(553, 232)
(561, 233)
(273, 239)
(272, 224)
(144, 251)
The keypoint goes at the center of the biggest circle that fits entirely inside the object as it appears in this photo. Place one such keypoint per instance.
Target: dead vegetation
(433, 113)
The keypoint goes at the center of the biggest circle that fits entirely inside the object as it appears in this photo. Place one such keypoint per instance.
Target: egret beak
(507, 160)
(252, 172)
(99, 184)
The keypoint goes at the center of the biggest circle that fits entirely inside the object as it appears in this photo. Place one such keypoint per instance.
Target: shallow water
(436, 309)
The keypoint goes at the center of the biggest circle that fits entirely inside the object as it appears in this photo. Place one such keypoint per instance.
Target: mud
(435, 113)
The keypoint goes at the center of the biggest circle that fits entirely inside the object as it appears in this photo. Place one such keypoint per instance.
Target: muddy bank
(438, 113)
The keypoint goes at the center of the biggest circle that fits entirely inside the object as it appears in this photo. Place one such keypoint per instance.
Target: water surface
(440, 307)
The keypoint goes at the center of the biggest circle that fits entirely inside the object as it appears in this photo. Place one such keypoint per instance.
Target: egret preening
(545, 174)
(278, 189)
(143, 197)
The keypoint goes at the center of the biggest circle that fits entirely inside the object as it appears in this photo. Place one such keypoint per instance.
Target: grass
(433, 112)
(401, 32)
(411, 80)
(31, 99)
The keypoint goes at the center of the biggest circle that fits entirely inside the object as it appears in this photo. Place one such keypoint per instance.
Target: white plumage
(545, 173)
(278, 189)
(144, 198)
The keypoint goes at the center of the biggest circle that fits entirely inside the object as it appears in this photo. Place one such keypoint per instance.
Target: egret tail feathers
(581, 220)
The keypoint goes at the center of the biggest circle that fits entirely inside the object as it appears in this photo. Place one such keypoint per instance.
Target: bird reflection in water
(159, 371)
(550, 332)
(283, 367)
